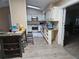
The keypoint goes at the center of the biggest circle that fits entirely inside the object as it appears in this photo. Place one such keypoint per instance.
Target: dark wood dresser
(12, 44)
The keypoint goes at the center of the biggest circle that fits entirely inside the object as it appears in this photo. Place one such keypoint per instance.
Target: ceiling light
(29, 6)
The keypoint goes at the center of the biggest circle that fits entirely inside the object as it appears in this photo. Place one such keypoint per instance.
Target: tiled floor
(73, 46)
(37, 34)
(41, 50)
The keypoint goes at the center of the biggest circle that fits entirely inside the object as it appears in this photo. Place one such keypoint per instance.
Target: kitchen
(40, 26)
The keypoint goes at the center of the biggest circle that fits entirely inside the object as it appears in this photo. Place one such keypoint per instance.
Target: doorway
(71, 37)
(71, 23)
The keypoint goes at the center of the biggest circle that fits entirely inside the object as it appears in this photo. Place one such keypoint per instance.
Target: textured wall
(18, 12)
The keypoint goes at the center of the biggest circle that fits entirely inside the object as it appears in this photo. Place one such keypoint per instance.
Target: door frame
(61, 26)
(61, 40)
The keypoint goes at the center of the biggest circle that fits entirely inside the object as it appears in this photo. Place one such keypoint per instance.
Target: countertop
(11, 33)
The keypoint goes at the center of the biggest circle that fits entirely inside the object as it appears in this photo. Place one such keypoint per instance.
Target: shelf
(13, 49)
(49, 35)
(12, 52)
(10, 43)
(12, 55)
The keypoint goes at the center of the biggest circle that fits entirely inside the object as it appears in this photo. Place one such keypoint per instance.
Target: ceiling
(37, 3)
(40, 3)
(74, 7)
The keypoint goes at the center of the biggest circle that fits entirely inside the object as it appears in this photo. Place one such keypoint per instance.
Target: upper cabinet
(53, 14)
(56, 14)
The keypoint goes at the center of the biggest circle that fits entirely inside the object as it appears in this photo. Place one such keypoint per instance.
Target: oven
(34, 27)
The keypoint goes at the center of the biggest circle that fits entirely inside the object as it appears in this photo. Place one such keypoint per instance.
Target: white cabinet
(39, 27)
(50, 35)
(57, 14)
(54, 14)
(29, 28)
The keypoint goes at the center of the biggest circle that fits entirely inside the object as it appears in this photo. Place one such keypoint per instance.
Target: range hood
(33, 22)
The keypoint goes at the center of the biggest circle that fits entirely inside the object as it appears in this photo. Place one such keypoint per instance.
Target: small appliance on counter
(13, 28)
(50, 25)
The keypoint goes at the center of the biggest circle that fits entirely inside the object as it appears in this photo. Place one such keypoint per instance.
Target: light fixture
(29, 6)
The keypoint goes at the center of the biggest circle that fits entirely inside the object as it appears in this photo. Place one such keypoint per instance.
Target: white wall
(48, 13)
(35, 13)
(18, 12)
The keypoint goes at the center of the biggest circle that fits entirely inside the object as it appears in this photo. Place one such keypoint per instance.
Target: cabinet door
(55, 13)
(50, 36)
(29, 28)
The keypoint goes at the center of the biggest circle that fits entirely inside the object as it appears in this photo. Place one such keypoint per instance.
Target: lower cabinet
(50, 35)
